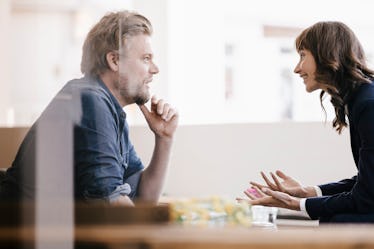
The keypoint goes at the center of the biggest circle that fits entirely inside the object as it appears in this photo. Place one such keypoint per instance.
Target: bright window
(224, 61)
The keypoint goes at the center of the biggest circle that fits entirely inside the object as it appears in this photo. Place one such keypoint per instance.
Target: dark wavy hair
(108, 35)
(341, 64)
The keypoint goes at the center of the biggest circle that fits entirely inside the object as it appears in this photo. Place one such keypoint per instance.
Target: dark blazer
(355, 195)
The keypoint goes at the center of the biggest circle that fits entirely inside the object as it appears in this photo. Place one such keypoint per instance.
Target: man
(117, 63)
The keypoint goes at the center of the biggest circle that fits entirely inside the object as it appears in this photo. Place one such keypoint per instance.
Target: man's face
(136, 69)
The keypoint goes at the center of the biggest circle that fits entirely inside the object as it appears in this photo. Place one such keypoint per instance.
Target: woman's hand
(288, 185)
(268, 197)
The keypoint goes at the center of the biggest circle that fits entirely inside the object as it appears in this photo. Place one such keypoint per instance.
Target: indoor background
(226, 65)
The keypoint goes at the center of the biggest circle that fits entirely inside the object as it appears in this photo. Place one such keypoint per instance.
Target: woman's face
(306, 68)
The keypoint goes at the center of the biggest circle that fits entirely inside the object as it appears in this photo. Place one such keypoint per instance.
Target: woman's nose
(297, 68)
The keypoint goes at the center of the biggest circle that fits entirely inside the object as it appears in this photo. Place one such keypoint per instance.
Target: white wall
(221, 159)
(4, 60)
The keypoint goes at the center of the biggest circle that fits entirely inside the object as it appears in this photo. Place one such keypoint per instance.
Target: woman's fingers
(258, 185)
(281, 175)
(268, 182)
(279, 185)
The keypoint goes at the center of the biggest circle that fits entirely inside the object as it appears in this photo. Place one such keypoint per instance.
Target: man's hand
(288, 185)
(162, 118)
(268, 197)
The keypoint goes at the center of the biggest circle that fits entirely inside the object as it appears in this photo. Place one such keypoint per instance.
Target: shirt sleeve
(134, 171)
(360, 198)
(318, 191)
(98, 160)
(303, 208)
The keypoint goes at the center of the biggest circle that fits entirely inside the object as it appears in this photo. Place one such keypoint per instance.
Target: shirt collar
(118, 107)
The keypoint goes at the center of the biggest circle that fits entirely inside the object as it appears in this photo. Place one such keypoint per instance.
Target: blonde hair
(108, 35)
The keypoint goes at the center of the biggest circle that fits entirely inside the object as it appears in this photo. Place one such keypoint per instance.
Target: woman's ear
(112, 59)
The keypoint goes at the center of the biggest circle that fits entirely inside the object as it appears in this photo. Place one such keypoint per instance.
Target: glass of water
(264, 216)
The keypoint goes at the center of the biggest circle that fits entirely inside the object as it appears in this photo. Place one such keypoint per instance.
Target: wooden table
(174, 236)
(147, 227)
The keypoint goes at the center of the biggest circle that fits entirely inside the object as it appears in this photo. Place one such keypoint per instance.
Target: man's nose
(154, 69)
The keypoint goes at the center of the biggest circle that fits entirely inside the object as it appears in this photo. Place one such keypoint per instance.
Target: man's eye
(147, 59)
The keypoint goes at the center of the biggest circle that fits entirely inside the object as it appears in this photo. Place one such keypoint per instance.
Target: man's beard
(142, 99)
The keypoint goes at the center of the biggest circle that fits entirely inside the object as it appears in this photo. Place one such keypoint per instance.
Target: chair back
(10, 140)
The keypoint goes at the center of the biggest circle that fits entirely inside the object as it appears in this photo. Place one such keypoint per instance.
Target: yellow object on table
(212, 211)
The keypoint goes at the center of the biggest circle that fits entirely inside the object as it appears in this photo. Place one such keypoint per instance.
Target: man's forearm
(153, 177)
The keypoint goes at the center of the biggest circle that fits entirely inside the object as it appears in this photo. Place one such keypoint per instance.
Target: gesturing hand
(162, 118)
(268, 197)
(288, 185)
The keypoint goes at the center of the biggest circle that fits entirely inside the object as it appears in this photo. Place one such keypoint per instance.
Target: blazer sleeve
(360, 199)
(338, 187)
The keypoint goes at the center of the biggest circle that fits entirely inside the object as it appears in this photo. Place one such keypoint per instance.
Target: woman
(332, 59)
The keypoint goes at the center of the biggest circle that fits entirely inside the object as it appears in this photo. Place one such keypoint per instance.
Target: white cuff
(303, 208)
(318, 191)
(302, 204)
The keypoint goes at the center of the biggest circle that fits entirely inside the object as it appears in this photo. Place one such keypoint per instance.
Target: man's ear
(112, 59)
